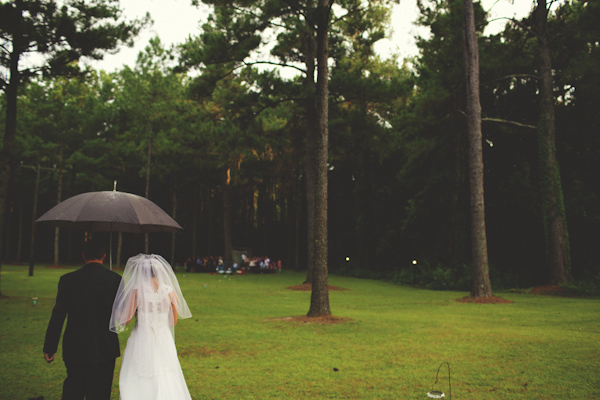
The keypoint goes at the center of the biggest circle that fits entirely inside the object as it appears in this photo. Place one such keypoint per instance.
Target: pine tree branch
(299, 11)
(513, 76)
(506, 121)
(276, 64)
(503, 121)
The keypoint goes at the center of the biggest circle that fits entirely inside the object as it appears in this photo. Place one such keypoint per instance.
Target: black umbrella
(110, 211)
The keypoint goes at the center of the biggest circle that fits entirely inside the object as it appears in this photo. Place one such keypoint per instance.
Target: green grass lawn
(239, 344)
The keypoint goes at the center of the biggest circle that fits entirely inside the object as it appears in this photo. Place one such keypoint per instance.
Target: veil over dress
(150, 369)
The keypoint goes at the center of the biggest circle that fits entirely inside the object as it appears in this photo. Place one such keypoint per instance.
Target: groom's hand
(49, 357)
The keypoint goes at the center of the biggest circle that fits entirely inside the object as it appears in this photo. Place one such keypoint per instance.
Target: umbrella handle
(110, 250)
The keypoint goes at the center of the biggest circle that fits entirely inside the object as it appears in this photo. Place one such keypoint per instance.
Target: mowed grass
(241, 344)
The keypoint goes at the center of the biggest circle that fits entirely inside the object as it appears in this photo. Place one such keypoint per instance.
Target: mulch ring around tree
(307, 287)
(323, 320)
(483, 300)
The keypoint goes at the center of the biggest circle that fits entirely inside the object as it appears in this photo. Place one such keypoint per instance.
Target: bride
(150, 368)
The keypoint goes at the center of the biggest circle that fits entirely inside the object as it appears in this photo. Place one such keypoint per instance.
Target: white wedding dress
(150, 368)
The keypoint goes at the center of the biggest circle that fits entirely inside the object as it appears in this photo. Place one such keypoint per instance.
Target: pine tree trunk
(20, 219)
(210, 222)
(553, 208)
(149, 160)
(481, 286)
(319, 300)
(297, 233)
(174, 216)
(227, 245)
(119, 249)
(58, 200)
(56, 245)
(34, 215)
(310, 165)
(10, 127)
(197, 202)
(8, 245)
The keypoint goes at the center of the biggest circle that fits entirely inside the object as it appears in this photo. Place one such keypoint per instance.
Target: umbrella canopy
(110, 211)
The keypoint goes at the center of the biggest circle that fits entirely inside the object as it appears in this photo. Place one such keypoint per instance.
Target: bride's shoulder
(165, 289)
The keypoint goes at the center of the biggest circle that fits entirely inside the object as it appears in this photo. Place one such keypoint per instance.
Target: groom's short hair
(93, 250)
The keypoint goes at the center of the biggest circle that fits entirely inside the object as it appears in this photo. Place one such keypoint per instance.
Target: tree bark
(210, 221)
(196, 204)
(10, 123)
(553, 208)
(227, 245)
(20, 217)
(481, 285)
(319, 300)
(174, 216)
(310, 166)
(58, 200)
(119, 249)
(34, 215)
(297, 232)
(149, 160)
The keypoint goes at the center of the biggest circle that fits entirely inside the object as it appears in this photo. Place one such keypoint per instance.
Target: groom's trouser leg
(74, 385)
(92, 381)
(99, 381)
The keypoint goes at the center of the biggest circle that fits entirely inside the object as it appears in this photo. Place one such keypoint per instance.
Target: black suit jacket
(86, 296)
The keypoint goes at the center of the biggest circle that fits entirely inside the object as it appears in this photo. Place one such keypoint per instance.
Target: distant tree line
(233, 148)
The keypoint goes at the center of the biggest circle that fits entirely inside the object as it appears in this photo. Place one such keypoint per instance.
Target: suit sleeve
(57, 320)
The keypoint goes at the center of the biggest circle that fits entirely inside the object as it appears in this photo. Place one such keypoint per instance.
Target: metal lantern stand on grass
(436, 394)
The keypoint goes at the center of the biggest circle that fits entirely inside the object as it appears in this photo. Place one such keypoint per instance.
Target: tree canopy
(215, 134)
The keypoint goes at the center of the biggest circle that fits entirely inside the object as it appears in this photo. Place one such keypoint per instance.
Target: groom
(89, 347)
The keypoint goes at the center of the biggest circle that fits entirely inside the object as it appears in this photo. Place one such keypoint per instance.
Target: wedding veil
(150, 287)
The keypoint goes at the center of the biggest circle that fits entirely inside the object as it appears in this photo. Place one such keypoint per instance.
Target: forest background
(219, 143)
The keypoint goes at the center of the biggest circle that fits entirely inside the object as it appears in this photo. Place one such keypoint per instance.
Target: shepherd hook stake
(435, 394)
